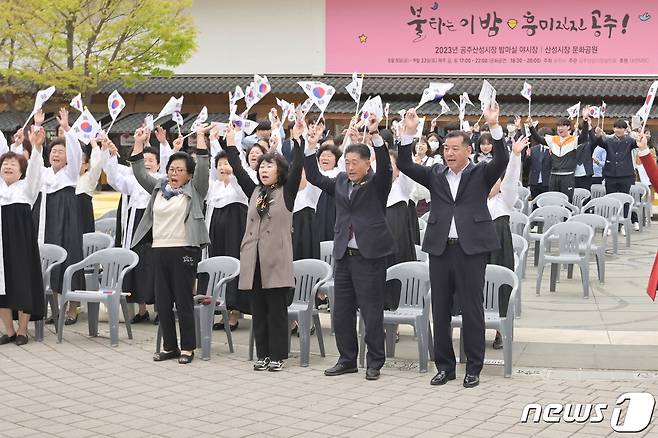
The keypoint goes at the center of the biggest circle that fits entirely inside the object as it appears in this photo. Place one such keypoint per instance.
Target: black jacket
(538, 161)
(476, 230)
(364, 212)
(618, 161)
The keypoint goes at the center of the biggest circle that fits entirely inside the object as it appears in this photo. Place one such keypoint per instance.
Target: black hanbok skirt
(398, 220)
(63, 228)
(140, 281)
(503, 257)
(305, 238)
(22, 263)
(227, 226)
(413, 223)
(325, 217)
(86, 210)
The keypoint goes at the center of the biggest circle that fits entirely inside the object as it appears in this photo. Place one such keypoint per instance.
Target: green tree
(81, 45)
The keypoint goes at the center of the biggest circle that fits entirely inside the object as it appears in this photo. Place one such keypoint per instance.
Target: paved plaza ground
(567, 350)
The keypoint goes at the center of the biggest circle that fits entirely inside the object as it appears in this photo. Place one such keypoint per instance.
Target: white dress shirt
(307, 197)
(401, 190)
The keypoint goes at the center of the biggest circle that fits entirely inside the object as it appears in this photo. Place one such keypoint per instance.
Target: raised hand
(112, 149)
(642, 141)
(214, 131)
(520, 144)
(178, 143)
(411, 122)
(141, 137)
(37, 137)
(161, 134)
(230, 134)
(373, 125)
(18, 137)
(63, 119)
(300, 126)
(39, 117)
(491, 114)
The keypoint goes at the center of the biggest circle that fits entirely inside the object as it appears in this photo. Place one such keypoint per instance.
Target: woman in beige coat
(266, 250)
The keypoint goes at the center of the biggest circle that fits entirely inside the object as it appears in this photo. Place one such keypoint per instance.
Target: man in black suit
(362, 242)
(459, 236)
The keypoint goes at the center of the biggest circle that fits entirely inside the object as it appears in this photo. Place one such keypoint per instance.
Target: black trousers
(597, 180)
(175, 273)
(269, 310)
(563, 183)
(621, 184)
(359, 283)
(537, 189)
(584, 182)
(456, 275)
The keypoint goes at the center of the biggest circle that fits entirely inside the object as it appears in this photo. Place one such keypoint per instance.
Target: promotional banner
(481, 37)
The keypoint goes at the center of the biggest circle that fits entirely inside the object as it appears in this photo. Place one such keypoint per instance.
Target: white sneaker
(262, 364)
(276, 365)
(636, 226)
(623, 230)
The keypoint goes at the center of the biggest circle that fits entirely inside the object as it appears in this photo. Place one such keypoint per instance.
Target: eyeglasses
(175, 170)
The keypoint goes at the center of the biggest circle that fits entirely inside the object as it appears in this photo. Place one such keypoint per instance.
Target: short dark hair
(360, 149)
(22, 162)
(190, 164)
(264, 125)
(466, 140)
(486, 137)
(281, 167)
(86, 149)
(338, 139)
(619, 123)
(563, 121)
(154, 151)
(220, 155)
(330, 148)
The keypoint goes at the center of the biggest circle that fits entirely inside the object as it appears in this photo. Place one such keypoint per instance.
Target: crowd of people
(271, 197)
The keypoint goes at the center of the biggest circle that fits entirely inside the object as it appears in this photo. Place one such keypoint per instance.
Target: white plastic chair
(597, 191)
(106, 225)
(114, 264)
(108, 214)
(327, 256)
(609, 208)
(547, 201)
(580, 196)
(51, 256)
(536, 199)
(600, 226)
(495, 277)
(625, 219)
(646, 202)
(524, 196)
(639, 193)
(521, 252)
(517, 222)
(574, 242)
(414, 310)
(544, 217)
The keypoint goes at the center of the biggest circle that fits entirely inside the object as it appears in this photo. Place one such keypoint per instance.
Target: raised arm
(95, 163)
(294, 174)
(35, 165)
(494, 168)
(535, 136)
(73, 149)
(383, 178)
(246, 183)
(648, 161)
(311, 168)
(510, 182)
(417, 172)
(200, 179)
(137, 159)
(596, 138)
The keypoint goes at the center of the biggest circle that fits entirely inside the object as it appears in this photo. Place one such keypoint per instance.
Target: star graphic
(363, 38)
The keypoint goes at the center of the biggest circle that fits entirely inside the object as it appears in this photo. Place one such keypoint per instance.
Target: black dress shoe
(442, 377)
(186, 358)
(372, 374)
(4, 339)
(339, 369)
(49, 320)
(140, 318)
(21, 340)
(471, 381)
(220, 326)
(70, 320)
(166, 355)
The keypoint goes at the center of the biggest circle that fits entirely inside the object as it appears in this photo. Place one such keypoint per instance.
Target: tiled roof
(11, 121)
(507, 109)
(577, 87)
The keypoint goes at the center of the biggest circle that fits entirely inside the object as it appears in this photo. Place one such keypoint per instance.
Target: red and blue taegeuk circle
(115, 104)
(86, 127)
(319, 92)
(262, 88)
